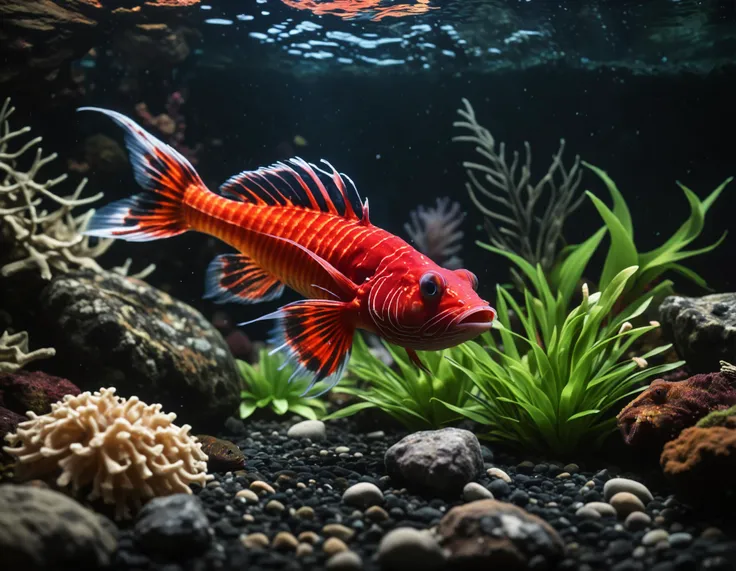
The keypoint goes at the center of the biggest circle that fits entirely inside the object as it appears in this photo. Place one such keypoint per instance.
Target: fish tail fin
(317, 336)
(163, 173)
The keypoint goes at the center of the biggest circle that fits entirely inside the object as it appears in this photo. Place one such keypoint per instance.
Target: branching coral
(14, 353)
(49, 241)
(125, 450)
(529, 218)
(435, 232)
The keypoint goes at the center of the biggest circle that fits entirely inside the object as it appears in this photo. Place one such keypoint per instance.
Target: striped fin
(317, 337)
(163, 173)
(237, 278)
(298, 183)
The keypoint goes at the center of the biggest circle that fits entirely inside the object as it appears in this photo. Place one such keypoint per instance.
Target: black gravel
(305, 473)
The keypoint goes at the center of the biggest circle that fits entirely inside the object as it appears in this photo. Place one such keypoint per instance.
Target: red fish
(295, 224)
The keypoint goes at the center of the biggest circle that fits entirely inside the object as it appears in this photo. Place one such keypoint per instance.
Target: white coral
(14, 353)
(125, 450)
(435, 232)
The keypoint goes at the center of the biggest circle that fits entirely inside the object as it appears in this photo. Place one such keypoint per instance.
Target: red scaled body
(294, 224)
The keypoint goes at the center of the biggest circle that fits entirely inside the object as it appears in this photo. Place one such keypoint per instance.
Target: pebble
(588, 513)
(606, 510)
(680, 539)
(498, 473)
(625, 503)
(345, 561)
(571, 468)
(405, 547)
(636, 521)
(274, 506)
(376, 513)
(363, 495)
(312, 429)
(285, 541)
(255, 540)
(305, 512)
(334, 545)
(248, 495)
(499, 488)
(308, 537)
(342, 450)
(262, 488)
(616, 485)
(338, 530)
(304, 549)
(655, 536)
(474, 491)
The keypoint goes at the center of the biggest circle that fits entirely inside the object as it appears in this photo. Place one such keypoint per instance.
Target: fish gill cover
(360, 36)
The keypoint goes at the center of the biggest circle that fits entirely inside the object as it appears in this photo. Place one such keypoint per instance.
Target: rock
(33, 391)
(474, 491)
(41, 529)
(703, 329)
(255, 541)
(701, 464)
(334, 545)
(345, 561)
(363, 495)
(9, 420)
(665, 409)
(312, 429)
(498, 473)
(436, 461)
(376, 514)
(285, 541)
(604, 509)
(121, 332)
(338, 530)
(616, 485)
(654, 537)
(173, 527)
(489, 534)
(405, 548)
(626, 503)
(588, 513)
(636, 521)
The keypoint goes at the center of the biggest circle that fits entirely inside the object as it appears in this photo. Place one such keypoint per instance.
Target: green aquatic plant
(549, 387)
(623, 252)
(266, 385)
(408, 394)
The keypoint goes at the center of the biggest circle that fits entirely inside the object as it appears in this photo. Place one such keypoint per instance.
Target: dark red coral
(33, 390)
(665, 409)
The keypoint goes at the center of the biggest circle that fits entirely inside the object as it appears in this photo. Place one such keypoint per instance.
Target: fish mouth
(478, 319)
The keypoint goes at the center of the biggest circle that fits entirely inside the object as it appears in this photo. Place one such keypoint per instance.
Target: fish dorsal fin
(298, 183)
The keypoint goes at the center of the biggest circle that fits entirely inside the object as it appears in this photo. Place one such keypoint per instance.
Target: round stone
(345, 561)
(616, 485)
(474, 491)
(312, 429)
(655, 536)
(626, 503)
(636, 521)
(406, 547)
(363, 495)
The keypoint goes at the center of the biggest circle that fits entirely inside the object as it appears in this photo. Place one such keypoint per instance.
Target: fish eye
(430, 286)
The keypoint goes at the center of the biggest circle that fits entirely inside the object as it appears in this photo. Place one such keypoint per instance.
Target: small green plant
(408, 394)
(267, 385)
(549, 387)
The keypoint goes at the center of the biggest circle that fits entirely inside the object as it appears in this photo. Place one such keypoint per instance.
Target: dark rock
(8, 421)
(41, 529)
(489, 534)
(173, 527)
(436, 461)
(121, 332)
(703, 329)
(34, 391)
(499, 488)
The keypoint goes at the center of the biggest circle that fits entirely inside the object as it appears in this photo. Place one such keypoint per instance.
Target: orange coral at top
(348, 9)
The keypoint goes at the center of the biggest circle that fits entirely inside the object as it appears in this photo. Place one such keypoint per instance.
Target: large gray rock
(41, 530)
(488, 534)
(436, 461)
(703, 329)
(173, 527)
(110, 330)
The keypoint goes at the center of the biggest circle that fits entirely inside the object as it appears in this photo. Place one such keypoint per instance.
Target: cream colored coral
(14, 353)
(125, 450)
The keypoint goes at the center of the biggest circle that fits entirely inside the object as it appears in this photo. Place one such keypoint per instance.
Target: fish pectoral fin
(237, 278)
(417, 361)
(317, 337)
